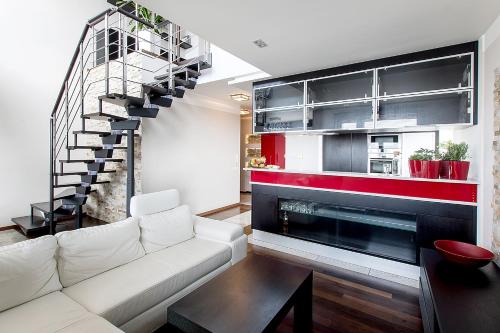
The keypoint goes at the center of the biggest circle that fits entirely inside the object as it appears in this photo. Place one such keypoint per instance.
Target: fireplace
(387, 234)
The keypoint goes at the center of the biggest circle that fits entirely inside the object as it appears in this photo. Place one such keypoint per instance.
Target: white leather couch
(116, 277)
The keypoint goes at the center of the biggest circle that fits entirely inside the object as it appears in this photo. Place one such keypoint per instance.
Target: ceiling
(221, 91)
(309, 35)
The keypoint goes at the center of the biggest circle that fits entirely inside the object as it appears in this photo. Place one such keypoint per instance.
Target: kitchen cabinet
(351, 86)
(433, 227)
(279, 96)
(283, 120)
(345, 152)
(436, 88)
(345, 116)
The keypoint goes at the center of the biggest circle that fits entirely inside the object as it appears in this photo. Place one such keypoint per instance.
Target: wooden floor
(346, 301)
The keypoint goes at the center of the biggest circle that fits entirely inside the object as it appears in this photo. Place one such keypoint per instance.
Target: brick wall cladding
(108, 203)
(496, 170)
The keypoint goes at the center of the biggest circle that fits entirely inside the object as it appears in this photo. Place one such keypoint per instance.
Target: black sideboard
(457, 300)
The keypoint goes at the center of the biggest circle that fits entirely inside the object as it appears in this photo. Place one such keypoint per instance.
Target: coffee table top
(248, 297)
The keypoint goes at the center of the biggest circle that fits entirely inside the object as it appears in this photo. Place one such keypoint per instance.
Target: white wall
(490, 60)
(195, 149)
(38, 39)
(303, 152)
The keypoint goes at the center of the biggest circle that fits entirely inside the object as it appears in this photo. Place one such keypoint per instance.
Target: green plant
(423, 154)
(144, 14)
(455, 151)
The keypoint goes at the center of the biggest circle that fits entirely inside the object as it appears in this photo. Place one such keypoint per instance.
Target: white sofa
(116, 277)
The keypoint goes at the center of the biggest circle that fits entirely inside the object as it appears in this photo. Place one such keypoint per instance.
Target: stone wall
(496, 170)
(108, 203)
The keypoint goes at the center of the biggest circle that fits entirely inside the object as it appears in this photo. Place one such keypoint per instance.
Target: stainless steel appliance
(384, 154)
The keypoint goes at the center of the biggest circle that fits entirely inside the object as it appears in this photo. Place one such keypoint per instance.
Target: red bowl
(464, 254)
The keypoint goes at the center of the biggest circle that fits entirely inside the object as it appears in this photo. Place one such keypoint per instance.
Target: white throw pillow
(28, 271)
(87, 252)
(164, 229)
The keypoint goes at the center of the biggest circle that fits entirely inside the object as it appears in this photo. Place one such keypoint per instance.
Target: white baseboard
(378, 267)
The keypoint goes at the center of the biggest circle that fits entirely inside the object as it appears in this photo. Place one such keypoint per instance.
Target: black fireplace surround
(385, 227)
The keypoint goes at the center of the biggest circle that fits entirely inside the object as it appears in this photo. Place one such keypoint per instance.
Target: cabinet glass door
(447, 73)
(448, 108)
(340, 116)
(285, 95)
(279, 120)
(340, 88)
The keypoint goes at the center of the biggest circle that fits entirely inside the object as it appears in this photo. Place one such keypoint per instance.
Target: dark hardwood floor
(346, 301)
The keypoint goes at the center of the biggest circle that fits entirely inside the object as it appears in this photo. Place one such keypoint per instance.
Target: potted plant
(454, 164)
(424, 164)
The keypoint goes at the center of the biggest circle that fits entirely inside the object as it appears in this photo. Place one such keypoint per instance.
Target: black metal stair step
(67, 193)
(186, 71)
(118, 160)
(189, 84)
(155, 90)
(93, 147)
(122, 100)
(44, 207)
(80, 183)
(125, 125)
(31, 227)
(147, 112)
(103, 116)
(196, 65)
(100, 133)
(79, 173)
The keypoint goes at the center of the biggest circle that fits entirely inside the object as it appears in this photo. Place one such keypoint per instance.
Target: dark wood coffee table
(252, 296)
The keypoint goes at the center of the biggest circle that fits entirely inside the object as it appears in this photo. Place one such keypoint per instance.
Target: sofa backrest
(150, 203)
(28, 271)
(84, 253)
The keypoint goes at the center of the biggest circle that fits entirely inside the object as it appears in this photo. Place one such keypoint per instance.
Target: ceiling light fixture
(260, 43)
(244, 111)
(240, 97)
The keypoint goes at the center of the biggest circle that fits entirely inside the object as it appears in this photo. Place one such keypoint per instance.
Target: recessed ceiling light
(244, 111)
(260, 43)
(240, 97)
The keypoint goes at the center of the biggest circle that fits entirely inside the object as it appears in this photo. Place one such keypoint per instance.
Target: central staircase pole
(130, 169)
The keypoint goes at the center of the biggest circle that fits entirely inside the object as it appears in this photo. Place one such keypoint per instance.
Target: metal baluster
(106, 52)
(137, 28)
(81, 87)
(51, 181)
(170, 56)
(94, 47)
(124, 55)
(67, 120)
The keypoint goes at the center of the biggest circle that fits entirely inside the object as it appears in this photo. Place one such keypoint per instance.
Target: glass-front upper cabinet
(279, 120)
(284, 95)
(345, 116)
(340, 87)
(425, 76)
(436, 109)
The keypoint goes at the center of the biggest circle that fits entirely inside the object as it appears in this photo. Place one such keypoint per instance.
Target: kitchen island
(379, 216)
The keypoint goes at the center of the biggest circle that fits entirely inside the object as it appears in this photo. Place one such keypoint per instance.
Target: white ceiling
(221, 91)
(308, 35)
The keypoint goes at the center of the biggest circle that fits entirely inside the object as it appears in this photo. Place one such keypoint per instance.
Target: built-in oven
(384, 154)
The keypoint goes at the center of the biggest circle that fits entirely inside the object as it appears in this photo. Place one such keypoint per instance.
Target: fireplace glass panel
(382, 233)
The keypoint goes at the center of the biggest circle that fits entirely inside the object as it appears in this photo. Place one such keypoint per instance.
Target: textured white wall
(38, 39)
(194, 149)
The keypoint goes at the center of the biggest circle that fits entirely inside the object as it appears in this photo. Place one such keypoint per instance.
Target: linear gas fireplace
(382, 233)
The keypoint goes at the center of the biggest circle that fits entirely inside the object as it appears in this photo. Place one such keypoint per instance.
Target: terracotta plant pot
(444, 169)
(415, 168)
(459, 170)
(430, 169)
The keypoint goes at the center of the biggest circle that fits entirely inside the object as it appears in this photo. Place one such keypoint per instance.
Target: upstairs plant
(142, 13)
(455, 151)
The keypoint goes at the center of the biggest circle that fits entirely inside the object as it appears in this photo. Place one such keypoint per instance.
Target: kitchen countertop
(363, 175)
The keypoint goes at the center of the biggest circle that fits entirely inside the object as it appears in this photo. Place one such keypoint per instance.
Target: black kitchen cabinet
(345, 152)
(346, 116)
(385, 227)
(341, 87)
(283, 95)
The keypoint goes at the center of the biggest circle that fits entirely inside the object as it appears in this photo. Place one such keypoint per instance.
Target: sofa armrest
(223, 232)
(217, 230)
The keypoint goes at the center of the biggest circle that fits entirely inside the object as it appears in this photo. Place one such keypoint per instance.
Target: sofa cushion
(27, 271)
(84, 253)
(51, 313)
(150, 203)
(123, 293)
(165, 229)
